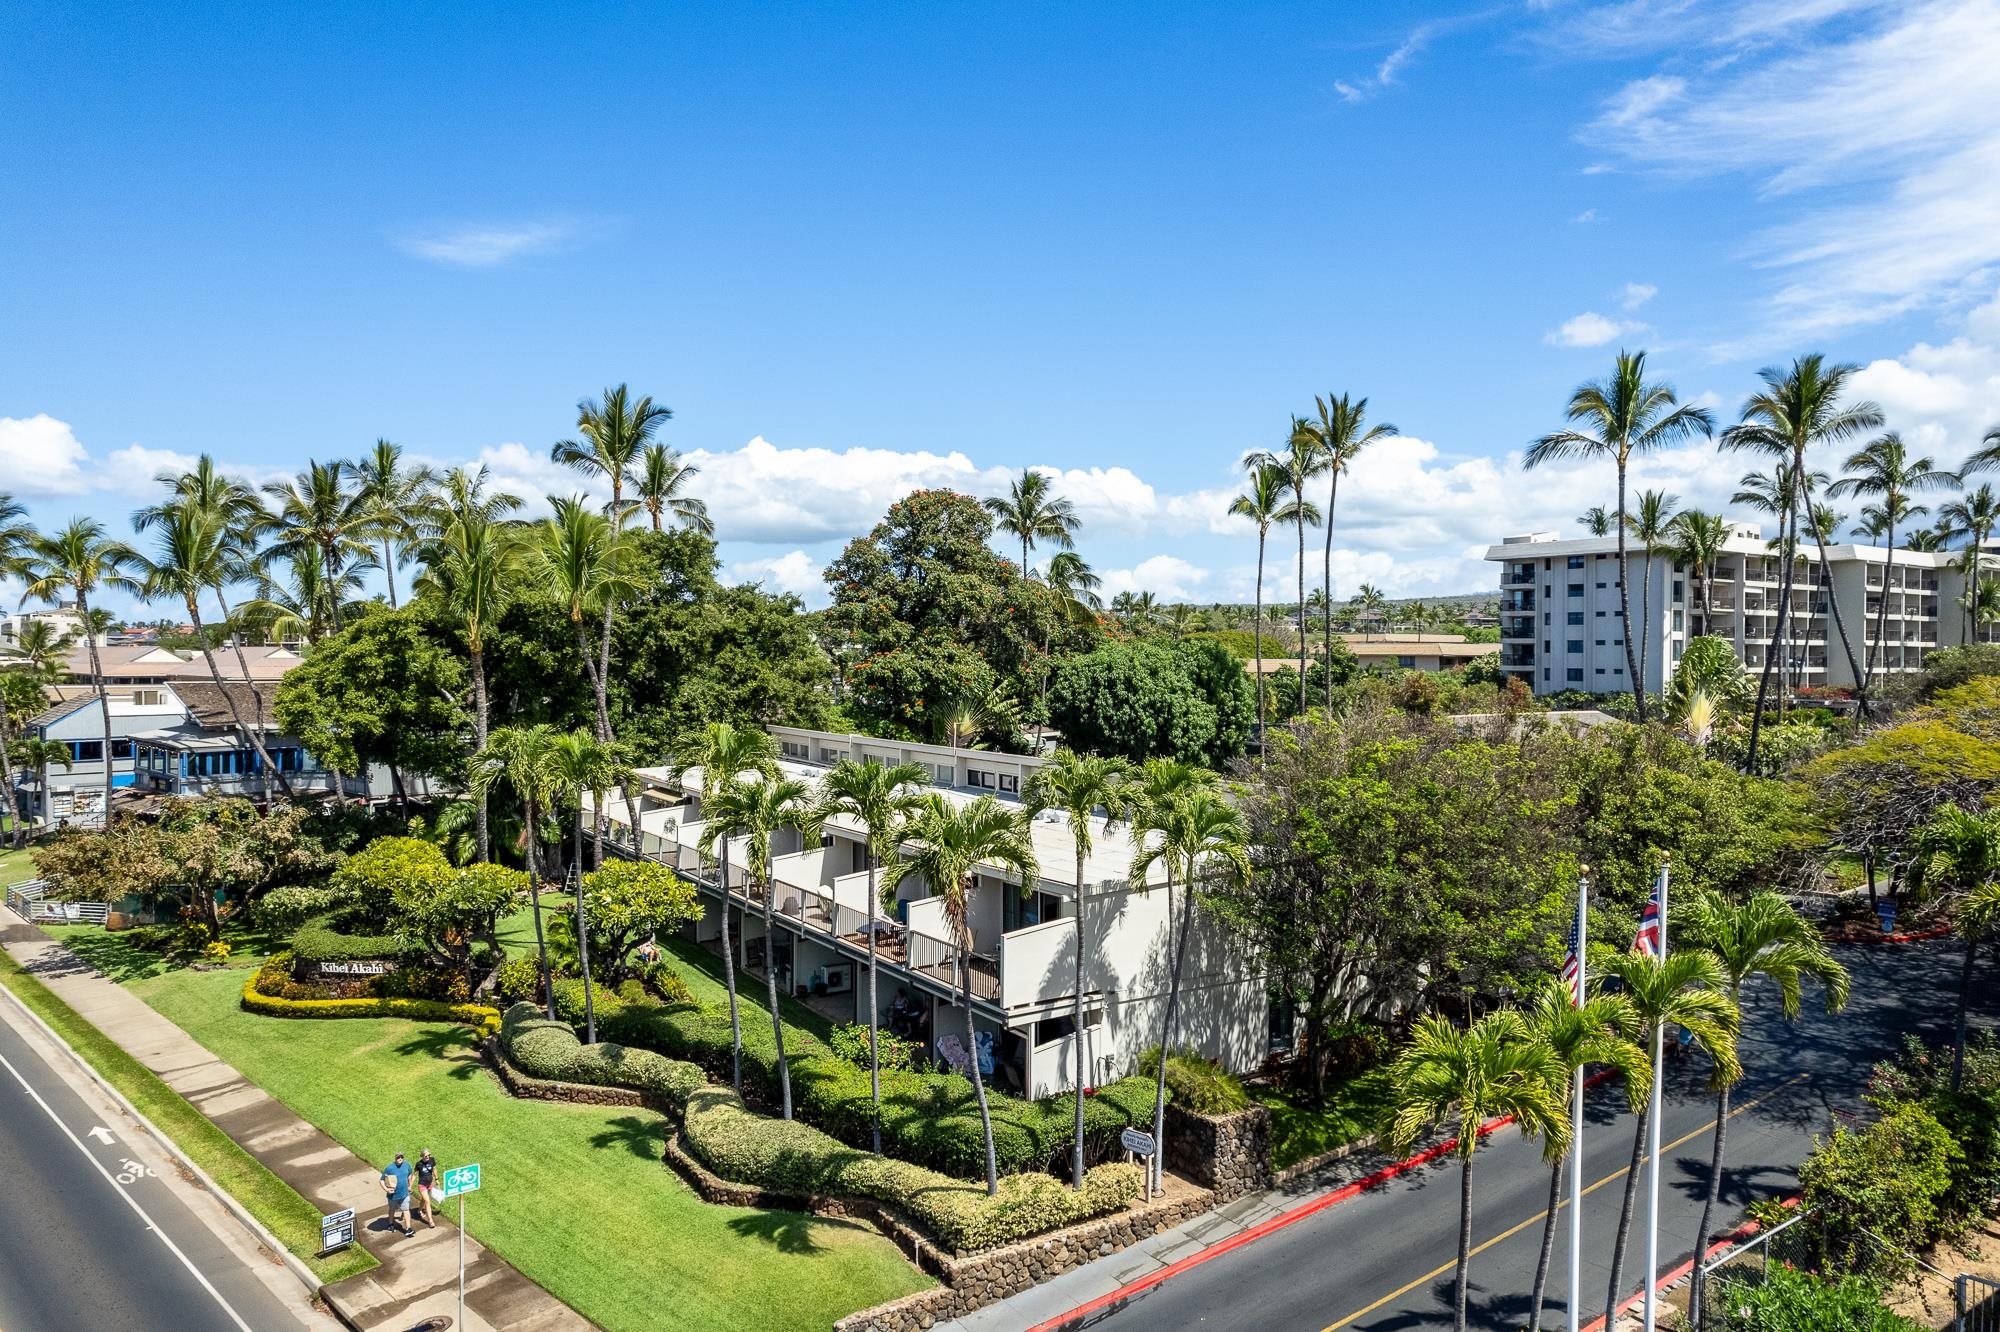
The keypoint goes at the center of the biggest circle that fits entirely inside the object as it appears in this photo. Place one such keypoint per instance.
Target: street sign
(336, 1230)
(457, 1180)
(1136, 1141)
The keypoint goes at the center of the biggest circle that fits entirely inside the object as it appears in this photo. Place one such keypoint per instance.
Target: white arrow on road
(102, 1134)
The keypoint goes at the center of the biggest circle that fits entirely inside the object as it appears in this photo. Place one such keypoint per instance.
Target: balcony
(1515, 658)
(1518, 626)
(1517, 602)
(1513, 575)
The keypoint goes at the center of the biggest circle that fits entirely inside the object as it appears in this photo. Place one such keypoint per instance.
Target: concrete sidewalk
(418, 1276)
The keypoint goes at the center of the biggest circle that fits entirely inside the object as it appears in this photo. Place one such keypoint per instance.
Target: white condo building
(1023, 957)
(1560, 628)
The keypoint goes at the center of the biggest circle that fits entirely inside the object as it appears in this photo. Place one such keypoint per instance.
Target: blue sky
(859, 250)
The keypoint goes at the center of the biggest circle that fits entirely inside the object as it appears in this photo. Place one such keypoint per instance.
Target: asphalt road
(89, 1237)
(1383, 1262)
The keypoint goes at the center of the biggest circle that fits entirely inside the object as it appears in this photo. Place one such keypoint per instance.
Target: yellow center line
(1514, 1230)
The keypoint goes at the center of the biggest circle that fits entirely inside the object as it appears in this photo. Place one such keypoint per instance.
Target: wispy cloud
(486, 245)
(1412, 46)
(1586, 217)
(1590, 329)
(1636, 294)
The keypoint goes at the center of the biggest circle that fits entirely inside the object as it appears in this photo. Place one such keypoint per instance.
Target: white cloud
(1637, 294)
(485, 245)
(1168, 577)
(795, 572)
(40, 455)
(1586, 217)
(1942, 398)
(1590, 329)
(132, 469)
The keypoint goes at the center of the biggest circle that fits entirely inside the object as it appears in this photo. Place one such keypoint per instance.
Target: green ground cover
(284, 1213)
(702, 970)
(119, 958)
(15, 867)
(516, 931)
(1300, 1129)
(575, 1196)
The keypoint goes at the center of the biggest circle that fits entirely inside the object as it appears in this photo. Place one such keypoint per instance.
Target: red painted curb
(1686, 1268)
(1916, 936)
(1283, 1219)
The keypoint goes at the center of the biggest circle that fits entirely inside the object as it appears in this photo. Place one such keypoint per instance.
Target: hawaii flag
(1651, 940)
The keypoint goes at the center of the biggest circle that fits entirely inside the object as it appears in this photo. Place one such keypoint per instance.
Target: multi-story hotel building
(1560, 627)
(1024, 936)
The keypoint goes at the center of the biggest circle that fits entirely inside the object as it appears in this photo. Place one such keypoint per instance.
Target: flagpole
(1653, 1132)
(1576, 1123)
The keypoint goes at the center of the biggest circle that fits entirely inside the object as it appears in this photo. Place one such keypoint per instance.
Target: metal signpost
(456, 1183)
(336, 1230)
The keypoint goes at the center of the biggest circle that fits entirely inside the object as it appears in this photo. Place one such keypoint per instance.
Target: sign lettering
(356, 968)
(1137, 1142)
(457, 1180)
(336, 1230)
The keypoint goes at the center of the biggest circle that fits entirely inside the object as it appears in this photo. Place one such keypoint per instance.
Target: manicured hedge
(550, 1051)
(793, 1157)
(487, 1020)
(317, 943)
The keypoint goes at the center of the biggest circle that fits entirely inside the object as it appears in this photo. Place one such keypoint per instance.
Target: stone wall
(1227, 1154)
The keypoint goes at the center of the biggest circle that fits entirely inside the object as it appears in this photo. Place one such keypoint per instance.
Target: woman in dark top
(427, 1168)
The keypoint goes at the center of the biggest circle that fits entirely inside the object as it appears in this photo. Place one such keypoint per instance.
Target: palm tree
(1688, 989)
(1885, 472)
(1341, 436)
(79, 559)
(1032, 511)
(1925, 539)
(1652, 521)
(471, 562)
(395, 498)
(1759, 936)
(1775, 493)
(318, 515)
(1600, 1032)
(1465, 1076)
(196, 551)
(1799, 408)
(16, 538)
(1622, 417)
(945, 843)
(722, 753)
(303, 605)
(1300, 460)
(35, 755)
(1961, 851)
(1079, 785)
(1372, 599)
(580, 558)
(1697, 542)
(581, 765)
(1201, 838)
(1264, 502)
(1596, 520)
(1974, 516)
(659, 480)
(882, 799)
(1070, 577)
(524, 758)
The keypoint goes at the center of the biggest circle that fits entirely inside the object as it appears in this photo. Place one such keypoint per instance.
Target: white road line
(130, 1201)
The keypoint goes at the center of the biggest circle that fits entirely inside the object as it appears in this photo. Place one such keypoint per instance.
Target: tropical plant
(1033, 512)
(659, 482)
(1079, 785)
(1264, 502)
(1300, 460)
(35, 755)
(945, 842)
(722, 753)
(395, 498)
(1697, 541)
(1762, 935)
(882, 799)
(1596, 520)
(1622, 417)
(580, 765)
(1464, 1076)
(1652, 527)
(16, 537)
(1960, 851)
(1340, 431)
(1974, 515)
(523, 757)
(317, 515)
(1885, 472)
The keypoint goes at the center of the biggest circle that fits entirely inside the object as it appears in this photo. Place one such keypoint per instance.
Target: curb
(1914, 936)
(236, 1209)
(1685, 1269)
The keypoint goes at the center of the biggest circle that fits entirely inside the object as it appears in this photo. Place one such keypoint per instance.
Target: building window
(977, 777)
(1407, 663)
(1576, 589)
(1010, 781)
(945, 774)
(149, 698)
(1602, 614)
(795, 749)
(1545, 673)
(86, 751)
(1678, 625)
(1575, 675)
(1600, 670)
(1600, 642)
(1575, 645)
(1576, 561)
(1576, 617)
(120, 749)
(1600, 587)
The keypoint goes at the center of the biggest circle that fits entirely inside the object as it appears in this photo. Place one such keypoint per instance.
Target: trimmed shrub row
(550, 1051)
(487, 1020)
(317, 943)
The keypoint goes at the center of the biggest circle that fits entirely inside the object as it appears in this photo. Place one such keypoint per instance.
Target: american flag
(1649, 942)
(1572, 972)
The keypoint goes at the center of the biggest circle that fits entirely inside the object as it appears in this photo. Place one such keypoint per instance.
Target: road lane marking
(130, 1201)
(102, 1134)
(1512, 1231)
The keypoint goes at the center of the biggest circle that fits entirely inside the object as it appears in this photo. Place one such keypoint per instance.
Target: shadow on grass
(644, 1138)
(116, 957)
(454, 1045)
(787, 1232)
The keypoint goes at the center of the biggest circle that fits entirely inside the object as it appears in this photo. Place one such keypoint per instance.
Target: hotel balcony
(1517, 626)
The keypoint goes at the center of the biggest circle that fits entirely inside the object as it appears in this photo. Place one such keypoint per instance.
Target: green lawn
(702, 970)
(517, 928)
(15, 867)
(117, 957)
(1299, 1129)
(575, 1196)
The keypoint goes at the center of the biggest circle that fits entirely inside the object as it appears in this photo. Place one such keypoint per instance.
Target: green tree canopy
(627, 901)
(1150, 698)
(389, 688)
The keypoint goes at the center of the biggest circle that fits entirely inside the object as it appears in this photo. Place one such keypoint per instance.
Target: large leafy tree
(1341, 430)
(1960, 853)
(1147, 698)
(1619, 418)
(627, 902)
(1033, 512)
(946, 841)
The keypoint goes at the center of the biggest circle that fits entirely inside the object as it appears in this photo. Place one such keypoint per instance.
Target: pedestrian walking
(396, 1184)
(427, 1168)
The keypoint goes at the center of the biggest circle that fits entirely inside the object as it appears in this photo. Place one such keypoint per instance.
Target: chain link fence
(1791, 1243)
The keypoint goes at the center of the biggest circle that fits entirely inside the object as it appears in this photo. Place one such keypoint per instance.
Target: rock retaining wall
(1227, 1154)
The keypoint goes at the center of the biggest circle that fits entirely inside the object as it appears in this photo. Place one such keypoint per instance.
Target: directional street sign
(457, 1180)
(1137, 1142)
(336, 1230)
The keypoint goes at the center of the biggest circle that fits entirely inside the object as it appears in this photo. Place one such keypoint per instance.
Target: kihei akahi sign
(372, 967)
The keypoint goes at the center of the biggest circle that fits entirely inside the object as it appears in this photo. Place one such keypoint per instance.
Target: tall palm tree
(1697, 540)
(1689, 990)
(1079, 785)
(580, 557)
(1799, 407)
(318, 514)
(1596, 520)
(1464, 1076)
(1622, 417)
(660, 480)
(395, 497)
(1652, 520)
(196, 550)
(1265, 501)
(524, 758)
(1342, 433)
(79, 559)
(1197, 837)
(722, 753)
(1759, 936)
(1601, 1032)
(1774, 492)
(35, 755)
(1300, 460)
(1927, 539)
(1974, 515)
(299, 604)
(1032, 511)
(582, 765)
(16, 536)
(1885, 472)
(1070, 576)
(946, 842)
(882, 799)
(1372, 599)
(471, 561)
(1960, 852)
